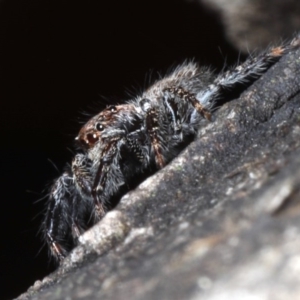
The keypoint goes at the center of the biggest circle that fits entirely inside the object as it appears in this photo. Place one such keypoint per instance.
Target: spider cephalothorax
(124, 142)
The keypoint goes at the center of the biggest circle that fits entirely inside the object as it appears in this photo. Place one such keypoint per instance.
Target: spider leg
(101, 177)
(57, 220)
(152, 127)
(169, 99)
(133, 144)
(252, 68)
(83, 182)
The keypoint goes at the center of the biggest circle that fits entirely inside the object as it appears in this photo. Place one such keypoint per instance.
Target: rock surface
(252, 24)
(222, 221)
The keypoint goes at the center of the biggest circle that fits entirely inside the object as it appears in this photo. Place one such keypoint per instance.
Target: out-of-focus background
(63, 61)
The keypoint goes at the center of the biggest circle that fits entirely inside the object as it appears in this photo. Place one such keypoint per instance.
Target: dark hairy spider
(124, 142)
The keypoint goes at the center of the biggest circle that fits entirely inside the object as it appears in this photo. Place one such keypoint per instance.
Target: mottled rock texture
(252, 24)
(222, 221)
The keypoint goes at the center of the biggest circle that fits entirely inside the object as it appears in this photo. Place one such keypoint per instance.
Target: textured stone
(252, 24)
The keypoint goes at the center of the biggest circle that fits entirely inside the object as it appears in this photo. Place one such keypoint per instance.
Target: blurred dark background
(58, 58)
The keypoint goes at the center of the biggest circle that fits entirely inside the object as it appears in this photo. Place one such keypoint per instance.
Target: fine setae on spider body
(125, 141)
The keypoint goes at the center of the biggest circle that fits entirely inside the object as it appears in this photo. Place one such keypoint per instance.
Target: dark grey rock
(222, 221)
(252, 24)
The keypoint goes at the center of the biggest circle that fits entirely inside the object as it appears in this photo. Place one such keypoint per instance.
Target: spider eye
(145, 104)
(92, 138)
(113, 109)
(99, 127)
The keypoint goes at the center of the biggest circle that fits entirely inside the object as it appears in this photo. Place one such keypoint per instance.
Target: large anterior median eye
(99, 127)
(92, 138)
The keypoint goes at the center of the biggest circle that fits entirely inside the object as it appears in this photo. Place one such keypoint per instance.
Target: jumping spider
(125, 141)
